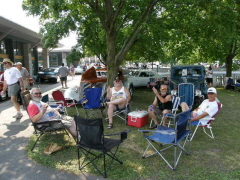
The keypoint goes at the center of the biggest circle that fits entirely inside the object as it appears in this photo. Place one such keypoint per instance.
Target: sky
(12, 10)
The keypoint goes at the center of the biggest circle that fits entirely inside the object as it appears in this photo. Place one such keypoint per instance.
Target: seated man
(119, 97)
(41, 112)
(208, 108)
(164, 102)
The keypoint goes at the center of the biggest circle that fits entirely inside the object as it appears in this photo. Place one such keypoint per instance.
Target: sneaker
(19, 115)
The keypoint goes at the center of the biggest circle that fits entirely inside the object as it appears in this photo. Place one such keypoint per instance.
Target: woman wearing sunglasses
(119, 97)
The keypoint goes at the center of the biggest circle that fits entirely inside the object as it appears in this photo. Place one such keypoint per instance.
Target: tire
(42, 80)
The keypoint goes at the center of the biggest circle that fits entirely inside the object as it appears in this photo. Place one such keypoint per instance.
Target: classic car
(78, 70)
(142, 77)
(194, 74)
(50, 74)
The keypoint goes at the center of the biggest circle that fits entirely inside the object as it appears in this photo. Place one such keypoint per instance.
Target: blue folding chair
(92, 101)
(176, 138)
(186, 93)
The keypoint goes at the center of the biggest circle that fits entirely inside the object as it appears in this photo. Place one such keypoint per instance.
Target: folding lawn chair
(175, 138)
(202, 123)
(92, 144)
(121, 114)
(40, 128)
(92, 102)
(175, 103)
(66, 102)
(186, 93)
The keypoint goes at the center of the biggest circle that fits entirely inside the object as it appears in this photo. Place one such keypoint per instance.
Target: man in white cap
(14, 83)
(208, 108)
(25, 74)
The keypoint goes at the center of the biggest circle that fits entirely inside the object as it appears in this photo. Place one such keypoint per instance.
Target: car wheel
(42, 80)
(54, 80)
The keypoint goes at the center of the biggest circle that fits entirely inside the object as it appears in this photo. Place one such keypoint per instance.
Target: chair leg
(211, 133)
(36, 141)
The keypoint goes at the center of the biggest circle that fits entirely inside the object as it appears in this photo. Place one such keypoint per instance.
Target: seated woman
(119, 97)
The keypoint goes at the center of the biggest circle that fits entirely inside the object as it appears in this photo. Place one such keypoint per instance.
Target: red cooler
(138, 118)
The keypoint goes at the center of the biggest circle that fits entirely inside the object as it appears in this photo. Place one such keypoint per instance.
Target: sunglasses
(163, 89)
(117, 80)
(39, 93)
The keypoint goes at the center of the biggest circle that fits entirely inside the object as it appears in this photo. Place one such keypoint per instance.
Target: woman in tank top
(119, 97)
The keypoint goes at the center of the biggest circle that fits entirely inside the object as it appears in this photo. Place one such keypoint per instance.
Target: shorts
(13, 90)
(65, 124)
(209, 80)
(63, 78)
(159, 112)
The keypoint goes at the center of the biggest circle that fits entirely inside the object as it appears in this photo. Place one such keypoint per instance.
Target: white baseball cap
(212, 90)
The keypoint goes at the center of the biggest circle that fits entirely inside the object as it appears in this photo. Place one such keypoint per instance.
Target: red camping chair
(66, 102)
(208, 125)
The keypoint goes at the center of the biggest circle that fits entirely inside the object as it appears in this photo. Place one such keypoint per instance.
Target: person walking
(63, 73)
(25, 74)
(209, 76)
(72, 69)
(13, 83)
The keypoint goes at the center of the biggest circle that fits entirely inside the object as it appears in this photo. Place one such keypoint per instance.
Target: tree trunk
(229, 60)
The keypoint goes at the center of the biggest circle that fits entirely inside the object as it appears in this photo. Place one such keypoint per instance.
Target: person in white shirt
(207, 109)
(25, 74)
(209, 76)
(119, 97)
(13, 83)
(63, 73)
(41, 112)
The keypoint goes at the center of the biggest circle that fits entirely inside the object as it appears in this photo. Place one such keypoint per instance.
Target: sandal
(110, 126)
(153, 127)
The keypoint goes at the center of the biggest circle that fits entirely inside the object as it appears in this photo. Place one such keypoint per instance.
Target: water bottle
(3, 95)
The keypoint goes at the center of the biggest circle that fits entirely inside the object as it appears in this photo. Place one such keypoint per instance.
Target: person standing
(63, 73)
(209, 76)
(72, 69)
(25, 74)
(13, 83)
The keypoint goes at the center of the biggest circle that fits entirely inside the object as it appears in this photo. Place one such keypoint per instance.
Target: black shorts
(209, 80)
(63, 78)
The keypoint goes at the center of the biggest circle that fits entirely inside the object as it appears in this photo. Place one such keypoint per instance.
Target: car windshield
(133, 73)
(101, 73)
(187, 72)
(50, 70)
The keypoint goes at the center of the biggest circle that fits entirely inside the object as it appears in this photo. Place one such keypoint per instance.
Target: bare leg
(15, 103)
(152, 115)
(111, 109)
(165, 118)
(184, 106)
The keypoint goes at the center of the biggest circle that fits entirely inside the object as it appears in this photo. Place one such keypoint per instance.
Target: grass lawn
(217, 159)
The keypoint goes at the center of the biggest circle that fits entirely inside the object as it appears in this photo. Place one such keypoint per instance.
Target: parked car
(102, 73)
(142, 77)
(1, 87)
(78, 70)
(194, 74)
(50, 74)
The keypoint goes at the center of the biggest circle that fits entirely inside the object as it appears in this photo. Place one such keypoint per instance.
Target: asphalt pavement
(14, 136)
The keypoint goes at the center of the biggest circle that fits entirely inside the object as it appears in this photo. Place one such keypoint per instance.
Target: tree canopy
(185, 31)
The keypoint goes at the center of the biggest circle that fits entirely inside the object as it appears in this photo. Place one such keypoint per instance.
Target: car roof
(188, 66)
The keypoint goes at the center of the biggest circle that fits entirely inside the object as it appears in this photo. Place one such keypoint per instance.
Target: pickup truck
(194, 74)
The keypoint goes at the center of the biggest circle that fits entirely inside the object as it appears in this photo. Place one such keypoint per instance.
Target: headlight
(174, 92)
(198, 93)
(40, 72)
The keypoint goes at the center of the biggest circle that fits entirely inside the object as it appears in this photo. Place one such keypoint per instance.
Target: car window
(135, 73)
(151, 74)
(143, 74)
(49, 70)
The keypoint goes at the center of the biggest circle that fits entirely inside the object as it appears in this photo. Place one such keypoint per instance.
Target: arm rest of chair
(47, 122)
(168, 131)
(123, 134)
